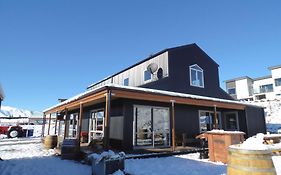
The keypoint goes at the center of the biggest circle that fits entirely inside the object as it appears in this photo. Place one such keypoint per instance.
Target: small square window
(278, 82)
(126, 82)
(231, 91)
(147, 75)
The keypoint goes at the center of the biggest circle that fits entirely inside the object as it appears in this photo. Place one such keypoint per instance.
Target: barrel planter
(70, 149)
(50, 141)
(250, 162)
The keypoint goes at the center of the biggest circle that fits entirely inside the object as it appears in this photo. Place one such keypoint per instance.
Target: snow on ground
(34, 159)
(173, 165)
(26, 159)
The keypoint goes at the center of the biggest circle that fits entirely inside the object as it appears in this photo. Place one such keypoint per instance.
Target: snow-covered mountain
(7, 111)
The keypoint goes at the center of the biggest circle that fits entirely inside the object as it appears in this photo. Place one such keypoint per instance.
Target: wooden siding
(136, 74)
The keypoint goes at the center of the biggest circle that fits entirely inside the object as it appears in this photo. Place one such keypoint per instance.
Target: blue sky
(55, 49)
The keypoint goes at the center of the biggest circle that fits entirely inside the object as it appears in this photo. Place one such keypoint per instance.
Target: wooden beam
(107, 119)
(50, 115)
(76, 103)
(80, 124)
(179, 100)
(173, 126)
(56, 124)
(43, 126)
(65, 123)
(216, 118)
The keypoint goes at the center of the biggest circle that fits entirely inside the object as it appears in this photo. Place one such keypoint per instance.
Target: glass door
(96, 125)
(151, 126)
(72, 125)
(143, 126)
(161, 127)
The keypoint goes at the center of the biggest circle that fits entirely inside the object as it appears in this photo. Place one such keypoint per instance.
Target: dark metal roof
(148, 58)
(274, 67)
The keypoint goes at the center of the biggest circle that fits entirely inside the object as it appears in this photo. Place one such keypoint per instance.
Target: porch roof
(97, 95)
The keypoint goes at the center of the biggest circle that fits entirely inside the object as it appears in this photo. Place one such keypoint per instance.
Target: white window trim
(218, 114)
(237, 119)
(190, 81)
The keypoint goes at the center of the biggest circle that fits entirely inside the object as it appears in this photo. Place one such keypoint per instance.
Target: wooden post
(173, 126)
(65, 123)
(56, 124)
(107, 119)
(43, 126)
(80, 124)
(216, 117)
(49, 124)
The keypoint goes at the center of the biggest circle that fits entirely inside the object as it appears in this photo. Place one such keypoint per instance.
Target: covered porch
(130, 118)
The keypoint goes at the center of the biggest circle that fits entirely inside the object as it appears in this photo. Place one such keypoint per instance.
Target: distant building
(246, 88)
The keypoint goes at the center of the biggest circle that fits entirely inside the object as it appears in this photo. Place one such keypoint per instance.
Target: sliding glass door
(151, 126)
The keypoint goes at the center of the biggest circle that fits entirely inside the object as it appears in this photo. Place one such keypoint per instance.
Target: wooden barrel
(70, 149)
(50, 141)
(253, 162)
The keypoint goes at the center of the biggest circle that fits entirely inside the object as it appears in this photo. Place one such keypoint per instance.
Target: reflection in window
(147, 75)
(196, 76)
(231, 121)
(278, 82)
(126, 82)
(231, 91)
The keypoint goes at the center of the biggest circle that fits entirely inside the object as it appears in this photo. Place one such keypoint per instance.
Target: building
(246, 88)
(154, 102)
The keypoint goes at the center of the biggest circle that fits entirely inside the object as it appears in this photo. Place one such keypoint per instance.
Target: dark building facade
(176, 89)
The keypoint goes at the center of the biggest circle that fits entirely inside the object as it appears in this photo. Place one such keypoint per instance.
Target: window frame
(144, 73)
(128, 81)
(264, 88)
(277, 80)
(236, 118)
(196, 70)
(231, 89)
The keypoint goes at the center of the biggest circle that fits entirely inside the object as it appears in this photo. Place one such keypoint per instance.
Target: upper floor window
(126, 82)
(278, 82)
(266, 88)
(231, 91)
(147, 75)
(196, 76)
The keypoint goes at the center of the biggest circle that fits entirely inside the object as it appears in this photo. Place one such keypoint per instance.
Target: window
(126, 82)
(231, 121)
(147, 75)
(266, 88)
(278, 82)
(196, 76)
(231, 91)
(207, 120)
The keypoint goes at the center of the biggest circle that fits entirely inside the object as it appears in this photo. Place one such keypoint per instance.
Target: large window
(231, 121)
(266, 88)
(231, 91)
(126, 82)
(147, 75)
(208, 121)
(278, 82)
(196, 76)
